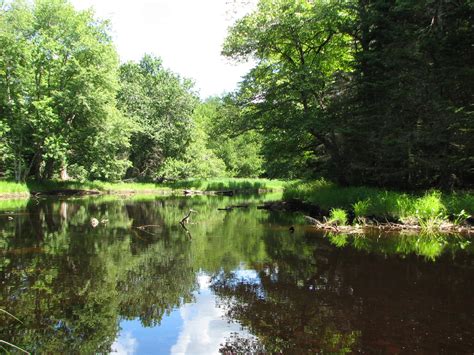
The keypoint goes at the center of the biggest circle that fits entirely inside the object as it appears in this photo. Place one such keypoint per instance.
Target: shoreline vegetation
(229, 186)
(353, 209)
(329, 206)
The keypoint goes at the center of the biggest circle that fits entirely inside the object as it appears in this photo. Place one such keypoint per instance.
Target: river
(227, 281)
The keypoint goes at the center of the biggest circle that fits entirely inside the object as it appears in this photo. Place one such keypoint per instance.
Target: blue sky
(186, 34)
(199, 327)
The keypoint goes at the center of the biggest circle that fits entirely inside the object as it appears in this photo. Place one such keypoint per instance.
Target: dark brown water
(236, 281)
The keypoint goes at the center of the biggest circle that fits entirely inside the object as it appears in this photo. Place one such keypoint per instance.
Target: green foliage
(338, 217)
(361, 208)
(429, 205)
(241, 153)
(58, 82)
(461, 217)
(287, 95)
(13, 187)
(429, 209)
(160, 103)
(363, 92)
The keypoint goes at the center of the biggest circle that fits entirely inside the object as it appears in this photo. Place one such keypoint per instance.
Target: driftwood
(231, 207)
(192, 192)
(186, 218)
(225, 193)
(386, 227)
(67, 192)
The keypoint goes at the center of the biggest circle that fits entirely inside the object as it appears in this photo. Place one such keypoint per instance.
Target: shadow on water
(73, 285)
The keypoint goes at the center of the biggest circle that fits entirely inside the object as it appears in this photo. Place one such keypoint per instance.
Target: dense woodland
(359, 91)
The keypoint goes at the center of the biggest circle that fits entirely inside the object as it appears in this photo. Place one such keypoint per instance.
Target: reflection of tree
(285, 316)
(162, 280)
(314, 297)
(428, 245)
(71, 284)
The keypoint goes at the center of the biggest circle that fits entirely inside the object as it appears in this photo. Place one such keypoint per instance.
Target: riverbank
(192, 186)
(334, 207)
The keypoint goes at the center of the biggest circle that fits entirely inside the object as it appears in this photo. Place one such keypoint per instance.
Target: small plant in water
(338, 217)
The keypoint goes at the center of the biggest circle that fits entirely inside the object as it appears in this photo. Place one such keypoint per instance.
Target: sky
(186, 34)
(198, 327)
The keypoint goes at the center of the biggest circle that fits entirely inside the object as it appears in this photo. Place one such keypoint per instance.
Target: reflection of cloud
(126, 344)
(204, 328)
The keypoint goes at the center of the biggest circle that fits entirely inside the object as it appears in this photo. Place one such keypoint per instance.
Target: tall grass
(429, 209)
(11, 187)
(338, 216)
(228, 184)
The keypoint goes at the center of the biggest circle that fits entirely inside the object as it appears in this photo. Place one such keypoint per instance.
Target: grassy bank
(8, 188)
(228, 184)
(427, 209)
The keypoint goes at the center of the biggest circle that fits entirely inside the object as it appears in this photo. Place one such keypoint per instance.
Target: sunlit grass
(94, 185)
(429, 209)
(228, 184)
(11, 187)
(250, 185)
(338, 216)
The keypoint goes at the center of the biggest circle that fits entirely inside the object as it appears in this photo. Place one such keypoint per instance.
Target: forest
(360, 92)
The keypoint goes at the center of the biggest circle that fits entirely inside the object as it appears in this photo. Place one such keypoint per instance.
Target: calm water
(234, 282)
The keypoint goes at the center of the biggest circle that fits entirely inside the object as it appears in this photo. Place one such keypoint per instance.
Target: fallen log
(225, 193)
(66, 192)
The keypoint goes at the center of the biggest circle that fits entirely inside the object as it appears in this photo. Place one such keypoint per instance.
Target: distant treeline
(359, 91)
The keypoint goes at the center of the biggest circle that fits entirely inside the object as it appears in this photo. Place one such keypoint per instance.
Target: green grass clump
(457, 202)
(338, 217)
(11, 187)
(429, 210)
(429, 205)
(361, 208)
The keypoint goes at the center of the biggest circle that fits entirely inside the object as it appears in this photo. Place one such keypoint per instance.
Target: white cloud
(126, 344)
(187, 34)
(204, 325)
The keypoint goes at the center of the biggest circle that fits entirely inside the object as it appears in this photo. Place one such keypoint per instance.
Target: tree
(412, 91)
(240, 152)
(363, 91)
(58, 82)
(299, 50)
(161, 105)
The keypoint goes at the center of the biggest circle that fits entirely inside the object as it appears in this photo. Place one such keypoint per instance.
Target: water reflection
(130, 289)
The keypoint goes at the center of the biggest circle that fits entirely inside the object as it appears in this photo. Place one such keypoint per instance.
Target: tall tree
(58, 82)
(161, 104)
(299, 50)
(411, 106)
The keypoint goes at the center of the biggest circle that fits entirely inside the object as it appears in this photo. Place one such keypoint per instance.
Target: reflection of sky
(195, 328)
